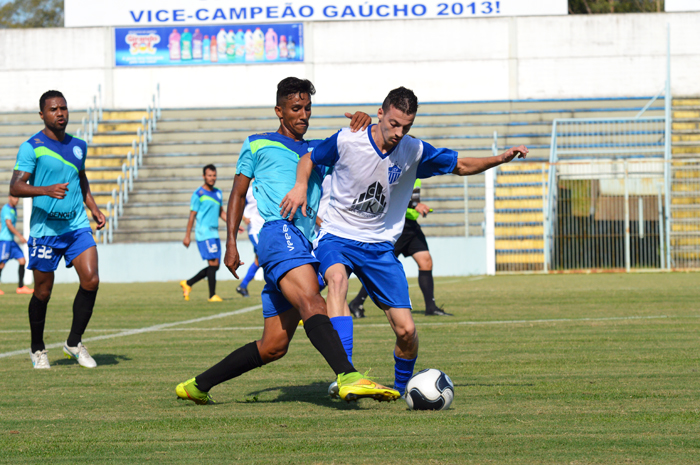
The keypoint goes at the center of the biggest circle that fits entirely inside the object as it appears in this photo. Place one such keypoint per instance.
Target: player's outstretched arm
(20, 188)
(359, 121)
(97, 215)
(188, 232)
(297, 196)
(234, 214)
(469, 166)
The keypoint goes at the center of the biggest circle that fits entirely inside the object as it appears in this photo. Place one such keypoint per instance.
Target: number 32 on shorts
(42, 252)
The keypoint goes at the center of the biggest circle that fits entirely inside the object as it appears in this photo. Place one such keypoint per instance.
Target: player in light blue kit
(206, 207)
(284, 251)
(9, 250)
(51, 168)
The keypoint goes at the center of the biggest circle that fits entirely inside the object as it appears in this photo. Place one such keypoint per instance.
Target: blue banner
(209, 45)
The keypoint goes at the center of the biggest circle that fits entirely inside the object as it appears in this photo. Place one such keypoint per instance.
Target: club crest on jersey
(372, 202)
(78, 152)
(394, 173)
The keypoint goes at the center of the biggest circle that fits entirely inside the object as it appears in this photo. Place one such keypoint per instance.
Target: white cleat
(40, 359)
(80, 354)
(333, 390)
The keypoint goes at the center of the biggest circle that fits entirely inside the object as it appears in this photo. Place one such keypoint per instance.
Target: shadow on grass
(315, 393)
(101, 359)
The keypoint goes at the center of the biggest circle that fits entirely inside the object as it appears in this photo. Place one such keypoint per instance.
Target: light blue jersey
(272, 159)
(53, 162)
(8, 212)
(207, 204)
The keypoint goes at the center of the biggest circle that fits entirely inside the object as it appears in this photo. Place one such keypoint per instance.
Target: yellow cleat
(215, 298)
(189, 391)
(355, 386)
(185, 290)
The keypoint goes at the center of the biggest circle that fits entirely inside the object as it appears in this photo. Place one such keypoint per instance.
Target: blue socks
(403, 370)
(343, 326)
(252, 269)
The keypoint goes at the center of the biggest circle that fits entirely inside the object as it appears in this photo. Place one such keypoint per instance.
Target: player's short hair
(292, 86)
(47, 95)
(208, 167)
(402, 99)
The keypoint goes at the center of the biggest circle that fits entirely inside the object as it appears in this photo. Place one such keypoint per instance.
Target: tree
(31, 13)
(614, 6)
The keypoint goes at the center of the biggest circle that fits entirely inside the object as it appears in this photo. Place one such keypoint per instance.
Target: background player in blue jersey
(9, 250)
(284, 251)
(51, 168)
(206, 207)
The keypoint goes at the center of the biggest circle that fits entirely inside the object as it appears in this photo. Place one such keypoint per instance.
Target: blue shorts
(210, 249)
(282, 248)
(9, 250)
(375, 264)
(46, 252)
(254, 240)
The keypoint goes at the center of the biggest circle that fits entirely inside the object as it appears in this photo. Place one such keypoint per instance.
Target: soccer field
(547, 369)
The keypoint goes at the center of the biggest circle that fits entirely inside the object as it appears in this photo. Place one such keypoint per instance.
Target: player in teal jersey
(51, 168)
(284, 251)
(9, 250)
(206, 208)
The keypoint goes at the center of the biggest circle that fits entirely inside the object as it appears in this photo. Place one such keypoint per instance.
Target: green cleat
(188, 391)
(353, 386)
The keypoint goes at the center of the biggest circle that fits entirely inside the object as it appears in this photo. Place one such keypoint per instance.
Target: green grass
(547, 369)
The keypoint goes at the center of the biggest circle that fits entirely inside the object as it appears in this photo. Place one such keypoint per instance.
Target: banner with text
(209, 45)
(83, 13)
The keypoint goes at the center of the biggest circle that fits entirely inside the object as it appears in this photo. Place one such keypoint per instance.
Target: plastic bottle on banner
(221, 43)
(259, 44)
(249, 50)
(283, 47)
(271, 50)
(230, 45)
(206, 49)
(197, 45)
(186, 47)
(174, 45)
(240, 45)
(214, 51)
(292, 48)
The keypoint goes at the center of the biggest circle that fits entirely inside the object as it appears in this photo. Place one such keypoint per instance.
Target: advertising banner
(209, 45)
(84, 13)
(682, 5)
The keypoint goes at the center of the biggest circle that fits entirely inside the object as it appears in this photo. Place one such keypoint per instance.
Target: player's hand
(22, 240)
(241, 229)
(231, 259)
(99, 218)
(294, 199)
(520, 151)
(359, 121)
(57, 191)
(186, 241)
(422, 209)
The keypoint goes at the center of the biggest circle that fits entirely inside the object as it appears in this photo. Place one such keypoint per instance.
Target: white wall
(442, 60)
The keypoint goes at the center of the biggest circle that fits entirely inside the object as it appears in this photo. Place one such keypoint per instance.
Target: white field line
(147, 329)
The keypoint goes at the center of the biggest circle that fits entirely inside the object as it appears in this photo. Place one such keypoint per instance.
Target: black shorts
(411, 241)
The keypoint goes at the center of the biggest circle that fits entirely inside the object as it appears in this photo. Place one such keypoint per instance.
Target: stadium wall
(170, 261)
(441, 59)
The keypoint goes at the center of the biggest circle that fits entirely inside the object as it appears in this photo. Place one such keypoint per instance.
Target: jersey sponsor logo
(394, 173)
(372, 202)
(78, 152)
(218, 195)
(290, 245)
(62, 215)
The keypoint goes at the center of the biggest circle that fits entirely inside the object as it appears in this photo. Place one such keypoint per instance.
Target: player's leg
(86, 265)
(43, 285)
(2, 266)
(406, 349)
(336, 276)
(211, 278)
(252, 269)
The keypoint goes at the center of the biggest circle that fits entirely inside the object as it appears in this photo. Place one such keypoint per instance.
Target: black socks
(425, 281)
(239, 361)
(326, 340)
(37, 318)
(198, 277)
(211, 277)
(21, 276)
(82, 311)
(360, 297)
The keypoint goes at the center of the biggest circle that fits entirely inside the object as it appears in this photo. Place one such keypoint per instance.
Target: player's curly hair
(292, 86)
(47, 95)
(402, 99)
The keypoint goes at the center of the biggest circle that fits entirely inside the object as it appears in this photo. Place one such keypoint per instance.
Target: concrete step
(147, 171)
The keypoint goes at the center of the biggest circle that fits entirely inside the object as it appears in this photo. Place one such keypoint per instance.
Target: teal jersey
(53, 162)
(272, 159)
(207, 204)
(8, 212)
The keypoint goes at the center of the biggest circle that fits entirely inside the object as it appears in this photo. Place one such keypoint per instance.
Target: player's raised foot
(333, 390)
(354, 386)
(243, 291)
(80, 354)
(437, 311)
(189, 391)
(24, 290)
(40, 359)
(2, 293)
(215, 298)
(185, 290)
(357, 310)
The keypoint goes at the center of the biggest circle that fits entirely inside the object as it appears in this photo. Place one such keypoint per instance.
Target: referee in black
(411, 243)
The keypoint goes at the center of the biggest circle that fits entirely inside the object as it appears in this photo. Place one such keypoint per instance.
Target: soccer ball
(429, 389)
